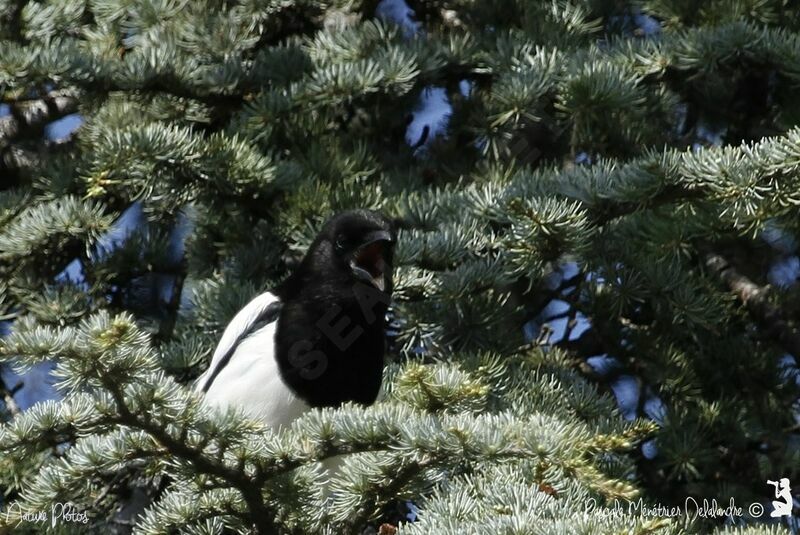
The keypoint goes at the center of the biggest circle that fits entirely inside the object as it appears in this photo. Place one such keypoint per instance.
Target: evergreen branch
(19, 161)
(181, 509)
(45, 236)
(251, 492)
(11, 20)
(15, 159)
(266, 114)
(756, 299)
(48, 424)
(224, 103)
(373, 492)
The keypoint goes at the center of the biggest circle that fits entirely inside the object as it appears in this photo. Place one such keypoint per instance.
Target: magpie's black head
(359, 243)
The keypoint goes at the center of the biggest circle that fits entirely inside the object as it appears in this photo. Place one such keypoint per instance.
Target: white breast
(251, 380)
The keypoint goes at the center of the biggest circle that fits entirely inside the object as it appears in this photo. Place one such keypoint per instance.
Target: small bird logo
(317, 340)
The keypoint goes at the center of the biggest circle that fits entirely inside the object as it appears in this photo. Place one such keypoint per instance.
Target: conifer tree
(606, 206)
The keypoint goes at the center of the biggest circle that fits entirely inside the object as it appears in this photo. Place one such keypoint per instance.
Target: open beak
(369, 261)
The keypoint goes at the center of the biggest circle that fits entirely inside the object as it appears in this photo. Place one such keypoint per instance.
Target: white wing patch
(250, 378)
(239, 325)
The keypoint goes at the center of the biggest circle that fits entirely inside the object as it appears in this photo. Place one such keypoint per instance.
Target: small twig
(174, 304)
(107, 488)
(543, 338)
(426, 130)
(8, 398)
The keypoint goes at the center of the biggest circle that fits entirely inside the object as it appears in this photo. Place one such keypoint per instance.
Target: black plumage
(317, 340)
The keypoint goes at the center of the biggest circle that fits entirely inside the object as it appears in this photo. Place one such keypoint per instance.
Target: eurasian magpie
(317, 339)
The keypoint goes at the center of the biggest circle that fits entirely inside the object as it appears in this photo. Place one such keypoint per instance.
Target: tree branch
(174, 304)
(755, 298)
(251, 492)
(15, 159)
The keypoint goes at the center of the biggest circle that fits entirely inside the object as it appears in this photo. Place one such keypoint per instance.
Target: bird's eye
(341, 244)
